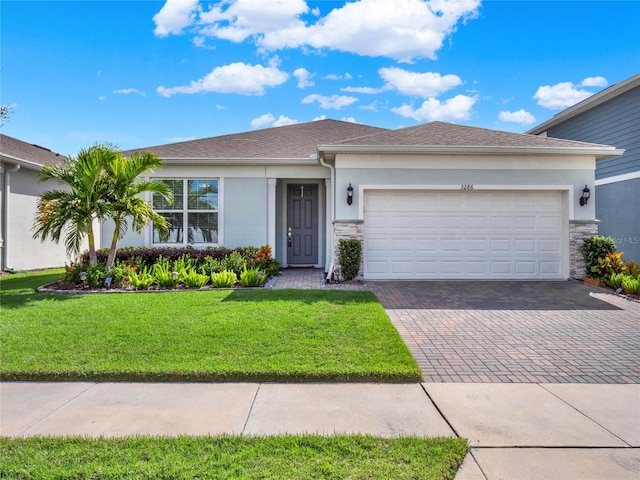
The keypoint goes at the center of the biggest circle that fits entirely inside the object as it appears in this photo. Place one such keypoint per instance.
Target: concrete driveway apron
(516, 332)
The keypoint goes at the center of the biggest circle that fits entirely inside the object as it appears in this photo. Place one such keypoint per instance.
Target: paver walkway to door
(507, 332)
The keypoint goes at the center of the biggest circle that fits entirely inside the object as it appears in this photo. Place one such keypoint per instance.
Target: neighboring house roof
(26, 154)
(450, 138)
(605, 95)
(297, 141)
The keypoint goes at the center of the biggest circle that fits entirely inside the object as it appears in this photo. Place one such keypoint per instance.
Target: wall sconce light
(586, 194)
(349, 195)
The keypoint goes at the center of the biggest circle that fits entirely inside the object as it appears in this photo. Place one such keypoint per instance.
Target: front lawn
(231, 335)
(290, 457)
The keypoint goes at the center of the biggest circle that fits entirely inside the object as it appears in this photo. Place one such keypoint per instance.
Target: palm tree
(125, 197)
(72, 210)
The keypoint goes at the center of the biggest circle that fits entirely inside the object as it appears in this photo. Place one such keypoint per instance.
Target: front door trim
(319, 214)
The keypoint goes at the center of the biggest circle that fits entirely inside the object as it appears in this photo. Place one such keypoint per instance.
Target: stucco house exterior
(20, 189)
(612, 117)
(433, 201)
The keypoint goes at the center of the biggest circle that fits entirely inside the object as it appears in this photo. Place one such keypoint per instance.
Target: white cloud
(566, 94)
(127, 91)
(175, 16)
(349, 119)
(239, 78)
(365, 90)
(335, 102)
(424, 85)
(456, 108)
(268, 120)
(333, 76)
(282, 120)
(235, 20)
(404, 30)
(594, 82)
(521, 116)
(372, 107)
(304, 78)
(180, 139)
(262, 121)
(102, 98)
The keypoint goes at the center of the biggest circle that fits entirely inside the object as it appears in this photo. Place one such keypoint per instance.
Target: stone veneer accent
(347, 229)
(578, 231)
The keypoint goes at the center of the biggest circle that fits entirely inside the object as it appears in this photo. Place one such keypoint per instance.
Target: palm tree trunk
(114, 245)
(93, 257)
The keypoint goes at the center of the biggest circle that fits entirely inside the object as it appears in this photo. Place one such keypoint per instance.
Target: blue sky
(142, 73)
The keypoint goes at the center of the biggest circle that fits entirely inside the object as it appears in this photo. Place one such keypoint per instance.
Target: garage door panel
(525, 268)
(491, 235)
(550, 245)
(525, 245)
(524, 223)
(549, 222)
(550, 269)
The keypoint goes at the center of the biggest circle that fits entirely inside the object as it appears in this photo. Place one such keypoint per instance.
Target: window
(193, 215)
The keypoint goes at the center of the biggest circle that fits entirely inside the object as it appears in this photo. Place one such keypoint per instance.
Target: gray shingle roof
(447, 134)
(27, 152)
(286, 142)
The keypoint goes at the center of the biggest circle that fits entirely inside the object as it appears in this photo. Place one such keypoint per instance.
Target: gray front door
(302, 224)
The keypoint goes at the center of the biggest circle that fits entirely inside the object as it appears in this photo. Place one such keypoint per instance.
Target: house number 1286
(466, 187)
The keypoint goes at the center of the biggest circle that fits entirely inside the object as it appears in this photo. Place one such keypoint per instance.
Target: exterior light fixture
(586, 194)
(174, 275)
(83, 276)
(349, 194)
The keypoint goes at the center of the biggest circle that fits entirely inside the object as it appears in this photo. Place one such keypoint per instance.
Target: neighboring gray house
(612, 117)
(432, 201)
(20, 189)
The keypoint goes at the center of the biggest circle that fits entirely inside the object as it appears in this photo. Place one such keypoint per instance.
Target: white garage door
(464, 235)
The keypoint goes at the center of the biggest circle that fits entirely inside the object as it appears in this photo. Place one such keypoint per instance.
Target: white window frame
(186, 211)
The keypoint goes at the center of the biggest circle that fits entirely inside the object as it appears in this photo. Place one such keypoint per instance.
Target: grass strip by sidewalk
(256, 335)
(230, 457)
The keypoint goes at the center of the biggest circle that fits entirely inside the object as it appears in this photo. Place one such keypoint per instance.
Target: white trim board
(618, 178)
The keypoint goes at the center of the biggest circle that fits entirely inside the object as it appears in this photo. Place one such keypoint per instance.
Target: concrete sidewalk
(516, 431)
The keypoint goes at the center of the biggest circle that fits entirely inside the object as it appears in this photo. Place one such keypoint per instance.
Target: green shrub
(252, 277)
(349, 257)
(224, 279)
(211, 265)
(191, 278)
(234, 262)
(611, 264)
(272, 269)
(615, 280)
(140, 279)
(594, 248)
(631, 285)
(163, 273)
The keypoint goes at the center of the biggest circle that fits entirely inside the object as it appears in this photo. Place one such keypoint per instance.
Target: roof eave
(311, 161)
(19, 161)
(598, 152)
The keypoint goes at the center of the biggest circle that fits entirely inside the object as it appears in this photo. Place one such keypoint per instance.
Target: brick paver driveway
(540, 332)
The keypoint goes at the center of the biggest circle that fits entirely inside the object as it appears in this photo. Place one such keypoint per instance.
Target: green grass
(285, 457)
(230, 335)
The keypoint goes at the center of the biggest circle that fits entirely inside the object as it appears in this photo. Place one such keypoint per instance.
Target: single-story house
(433, 201)
(20, 189)
(611, 116)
